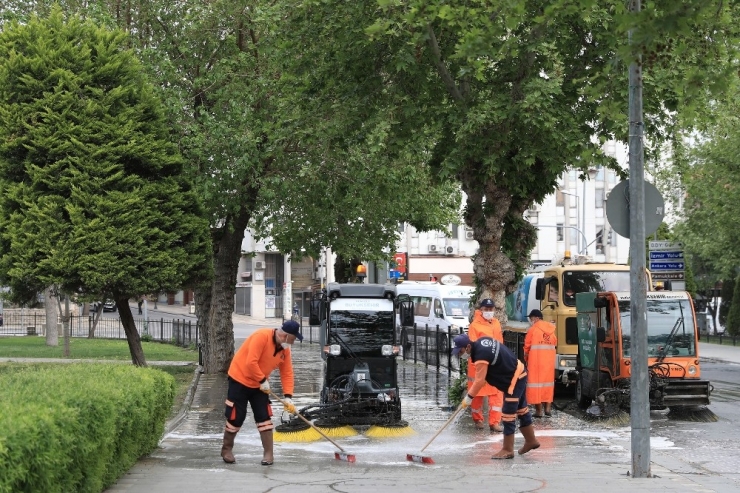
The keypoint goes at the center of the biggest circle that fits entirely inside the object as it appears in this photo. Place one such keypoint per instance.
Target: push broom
(341, 455)
(425, 458)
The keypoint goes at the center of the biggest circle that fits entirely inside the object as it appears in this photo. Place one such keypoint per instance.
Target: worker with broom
(249, 373)
(496, 365)
(484, 324)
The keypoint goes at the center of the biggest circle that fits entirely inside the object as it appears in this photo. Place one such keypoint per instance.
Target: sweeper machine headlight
(388, 350)
(692, 370)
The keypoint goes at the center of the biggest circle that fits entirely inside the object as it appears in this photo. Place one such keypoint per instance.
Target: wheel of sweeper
(582, 398)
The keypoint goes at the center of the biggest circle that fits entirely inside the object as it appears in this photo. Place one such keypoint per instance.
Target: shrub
(78, 427)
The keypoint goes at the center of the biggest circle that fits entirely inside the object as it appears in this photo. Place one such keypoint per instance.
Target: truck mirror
(406, 312)
(323, 337)
(317, 312)
(667, 286)
(600, 334)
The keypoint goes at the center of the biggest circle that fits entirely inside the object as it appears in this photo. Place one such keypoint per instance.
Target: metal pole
(583, 221)
(639, 404)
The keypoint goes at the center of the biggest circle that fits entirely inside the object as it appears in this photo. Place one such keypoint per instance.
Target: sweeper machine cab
(604, 364)
(359, 384)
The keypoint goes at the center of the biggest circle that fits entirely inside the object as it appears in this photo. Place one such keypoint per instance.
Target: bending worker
(249, 373)
(496, 365)
(484, 324)
(540, 356)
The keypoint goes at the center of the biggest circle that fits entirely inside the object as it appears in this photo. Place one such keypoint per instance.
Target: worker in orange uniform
(539, 356)
(249, 372)
(484, 324)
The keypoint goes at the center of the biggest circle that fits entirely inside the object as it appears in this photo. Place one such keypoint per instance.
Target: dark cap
(291, 327)
(461, 342)
(535, 313)
(487, 302)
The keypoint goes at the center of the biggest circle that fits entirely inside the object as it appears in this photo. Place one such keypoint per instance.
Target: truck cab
(604, 366)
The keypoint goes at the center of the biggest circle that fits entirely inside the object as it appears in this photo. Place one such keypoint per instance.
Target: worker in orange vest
(539, 356)
(484, 324)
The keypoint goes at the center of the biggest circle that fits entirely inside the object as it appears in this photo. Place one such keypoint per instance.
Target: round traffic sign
(618, 208)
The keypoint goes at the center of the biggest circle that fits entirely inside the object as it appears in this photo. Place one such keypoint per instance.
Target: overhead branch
(442, 68)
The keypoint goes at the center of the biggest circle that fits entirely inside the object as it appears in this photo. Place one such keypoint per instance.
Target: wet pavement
(575, 456)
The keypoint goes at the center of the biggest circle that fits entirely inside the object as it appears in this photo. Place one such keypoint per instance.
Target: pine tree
(94, 200)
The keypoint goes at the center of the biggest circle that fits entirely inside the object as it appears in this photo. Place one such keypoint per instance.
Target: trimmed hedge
(78, 427)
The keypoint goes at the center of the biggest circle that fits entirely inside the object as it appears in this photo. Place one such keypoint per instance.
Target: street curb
(173, 423)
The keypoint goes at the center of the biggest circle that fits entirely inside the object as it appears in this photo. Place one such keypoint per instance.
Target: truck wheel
(582, 399)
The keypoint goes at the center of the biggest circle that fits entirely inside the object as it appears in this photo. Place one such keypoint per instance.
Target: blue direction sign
(662, 265)
(666, 255)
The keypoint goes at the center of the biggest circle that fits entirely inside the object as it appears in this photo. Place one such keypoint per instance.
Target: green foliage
(78, 427)
(732, 326)
(728, 299)
(83, 348)
(459, 386)
(94, 197)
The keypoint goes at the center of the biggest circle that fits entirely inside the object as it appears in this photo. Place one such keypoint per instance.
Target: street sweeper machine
(359, 383)
(604, 342)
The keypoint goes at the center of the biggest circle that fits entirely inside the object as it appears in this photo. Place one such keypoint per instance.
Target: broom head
(344, 456)
(423, 459)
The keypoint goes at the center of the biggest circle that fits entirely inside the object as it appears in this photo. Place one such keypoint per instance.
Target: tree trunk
(487, 210)
(214, 305)
(52, 333)
(132, 335)
(96, 318)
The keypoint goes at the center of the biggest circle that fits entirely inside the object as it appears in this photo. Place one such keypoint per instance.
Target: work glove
(265, 387)
(467, 401)
(289, 406)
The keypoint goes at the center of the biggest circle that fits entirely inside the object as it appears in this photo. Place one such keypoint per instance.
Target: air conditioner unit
(451, 250)
(259, 264)
(535, 208)
(469, 235)
(433, 249)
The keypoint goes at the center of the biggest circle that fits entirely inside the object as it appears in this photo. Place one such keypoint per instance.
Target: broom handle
(309, 423)
(443, 427)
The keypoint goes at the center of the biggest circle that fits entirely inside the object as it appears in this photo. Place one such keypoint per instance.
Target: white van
(437, 305)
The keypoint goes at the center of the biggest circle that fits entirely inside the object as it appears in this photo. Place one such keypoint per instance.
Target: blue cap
(487, 302)
(461, 342)
(291, 327)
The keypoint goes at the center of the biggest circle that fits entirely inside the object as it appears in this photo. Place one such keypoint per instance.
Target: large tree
(94, 198)
(510, 93)
(218, 66)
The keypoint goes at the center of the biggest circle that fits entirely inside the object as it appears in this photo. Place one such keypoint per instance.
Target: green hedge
(78, 427)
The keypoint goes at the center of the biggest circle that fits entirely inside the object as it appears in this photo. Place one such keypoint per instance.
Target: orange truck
(603, 366)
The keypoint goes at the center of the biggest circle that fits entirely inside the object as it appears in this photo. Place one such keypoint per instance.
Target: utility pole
(639, 382)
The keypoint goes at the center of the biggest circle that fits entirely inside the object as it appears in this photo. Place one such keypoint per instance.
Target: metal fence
(182, 332)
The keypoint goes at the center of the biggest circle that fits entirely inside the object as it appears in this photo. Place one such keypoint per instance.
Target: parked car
(108, 306)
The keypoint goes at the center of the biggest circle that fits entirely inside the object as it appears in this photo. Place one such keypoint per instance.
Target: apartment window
(600, 173)
(559, 233)
(599, 197)
(454, 231)
(573, 236)
(559, 198)
(611, 177)
(573, 213)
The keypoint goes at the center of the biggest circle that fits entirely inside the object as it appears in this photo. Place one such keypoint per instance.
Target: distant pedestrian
(540, 356)
(141, 302)
(496, 365)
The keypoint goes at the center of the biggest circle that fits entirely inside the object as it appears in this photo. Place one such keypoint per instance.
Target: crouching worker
(249, 373)
(496, 365)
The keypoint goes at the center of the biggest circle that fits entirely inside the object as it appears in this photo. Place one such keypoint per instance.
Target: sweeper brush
(341, 455)
(390, 431)
(425, 459)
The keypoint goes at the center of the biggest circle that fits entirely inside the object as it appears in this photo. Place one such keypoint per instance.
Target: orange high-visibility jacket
(480, 327)
(258, 357)
(539, 356)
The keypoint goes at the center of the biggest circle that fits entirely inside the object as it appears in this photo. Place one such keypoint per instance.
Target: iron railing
(181, 332)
